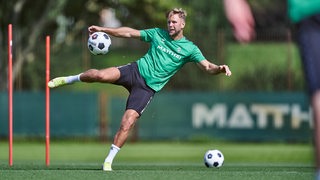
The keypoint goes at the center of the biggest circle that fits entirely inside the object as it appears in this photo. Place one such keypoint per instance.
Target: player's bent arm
(213, 68)
(122, 32)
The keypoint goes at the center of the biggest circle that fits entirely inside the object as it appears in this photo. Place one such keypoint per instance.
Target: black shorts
(309, 43)
(139, 93)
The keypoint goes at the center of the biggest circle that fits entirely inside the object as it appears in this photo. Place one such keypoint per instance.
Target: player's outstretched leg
(108, 75)
(61, 81)
(56, 82)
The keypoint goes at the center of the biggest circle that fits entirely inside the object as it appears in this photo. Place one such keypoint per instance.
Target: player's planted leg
(108, 161)
(129, 119)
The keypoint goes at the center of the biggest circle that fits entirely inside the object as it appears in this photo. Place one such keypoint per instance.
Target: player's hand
(241, 18)
(225, 69)
(93, 29)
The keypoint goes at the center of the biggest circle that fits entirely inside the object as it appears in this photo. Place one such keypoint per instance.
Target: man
(306, 14)
(169, 51)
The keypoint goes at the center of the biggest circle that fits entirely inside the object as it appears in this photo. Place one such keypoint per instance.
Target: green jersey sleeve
(146, 35)
(197, 55)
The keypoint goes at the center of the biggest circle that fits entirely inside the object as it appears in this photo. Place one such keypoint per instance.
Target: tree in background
(65, 21)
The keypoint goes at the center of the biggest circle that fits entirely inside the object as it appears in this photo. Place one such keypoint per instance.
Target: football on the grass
(213, 158)
(99, 43)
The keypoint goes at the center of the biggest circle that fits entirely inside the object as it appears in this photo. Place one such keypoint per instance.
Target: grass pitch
(175, 160)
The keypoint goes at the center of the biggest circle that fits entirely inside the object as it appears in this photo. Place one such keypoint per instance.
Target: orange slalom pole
(10, 109)
(47, 101)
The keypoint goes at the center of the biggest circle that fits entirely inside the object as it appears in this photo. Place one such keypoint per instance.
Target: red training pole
(47, 101)
(10, 111)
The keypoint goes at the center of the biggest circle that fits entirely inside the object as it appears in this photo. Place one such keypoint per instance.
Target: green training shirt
(165, 57)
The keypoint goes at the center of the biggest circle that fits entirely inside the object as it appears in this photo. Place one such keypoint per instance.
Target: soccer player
(306, 15)
(169, 51)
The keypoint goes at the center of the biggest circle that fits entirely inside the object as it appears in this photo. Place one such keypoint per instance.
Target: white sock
(72, 79)
(112, 153)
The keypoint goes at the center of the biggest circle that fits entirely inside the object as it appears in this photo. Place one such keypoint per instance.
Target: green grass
(159, 171)
(161, 160)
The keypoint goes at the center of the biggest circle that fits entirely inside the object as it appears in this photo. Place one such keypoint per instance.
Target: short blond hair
(182, 13)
